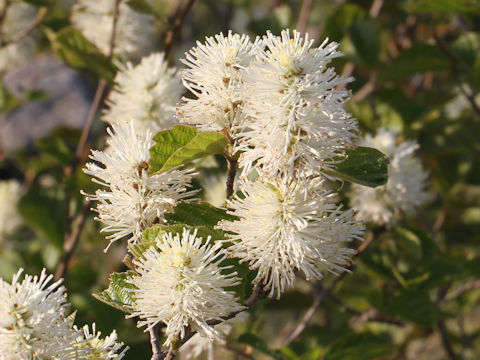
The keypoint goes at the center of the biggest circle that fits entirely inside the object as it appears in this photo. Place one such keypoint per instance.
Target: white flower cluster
(283, 228)
(147, 93)
(405, 190)
(134, 30)
(131, 199)
(276, 99)
(19, 16)
(295, 122)
(181, 283)
(215, 77)
(98, 348)
(10, 219)
(34, 324)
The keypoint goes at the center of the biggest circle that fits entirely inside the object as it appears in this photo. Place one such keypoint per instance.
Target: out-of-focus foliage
(414, 291)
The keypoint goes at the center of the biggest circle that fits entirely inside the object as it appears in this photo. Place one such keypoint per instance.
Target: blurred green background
(414, 293)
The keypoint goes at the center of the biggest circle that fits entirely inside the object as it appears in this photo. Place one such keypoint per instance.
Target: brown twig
(368, 315)
(72, 236)
(447, 346)
(102, 85)
(454, 294)
(70, 242)
(375, 8)
(232, 166)
(320, 294)
(155, 343)
(20, 35)
(172, 32)
(302, 22)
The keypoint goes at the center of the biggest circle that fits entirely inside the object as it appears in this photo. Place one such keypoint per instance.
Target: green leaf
(467, 50)
(141, 6)
(44, 211)
(409, 241)
(363, 346)
(7, 100)
(414, 306)
(365, 37)
(55, 147)
(473, 266)
(182, 144)
(363, 165)
(442, 271)
(467, 47)
(260, 345)
(419, 58)
(197, 214)
(118, 294)
(76, 50)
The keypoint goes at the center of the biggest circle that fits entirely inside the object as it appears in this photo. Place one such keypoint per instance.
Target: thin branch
(70, 242)
(23, 33)
(321, 294)
(454, 294)
(364, 91)
(375, 8)
(302, 22)
(155, 342)
(113, 34)
(170, 354)
(176, 26)
(368, 315)
(441, 217)
(447, 346)
(232, 166)
(102, 85)
(72, 237)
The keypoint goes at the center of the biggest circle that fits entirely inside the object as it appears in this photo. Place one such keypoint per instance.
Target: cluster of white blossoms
(296, 123)
(134, 30)
(275, 96)
(34, 324)
(18, 16)
(147, 93)
(182, 284)
(131, 199)
(10, 219)
(215, 77)
(98, 348)
(277, 102)
(283, 228)
(405, 190)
